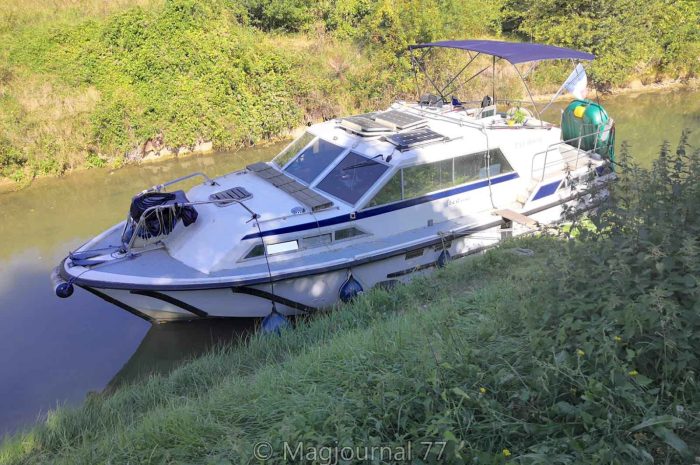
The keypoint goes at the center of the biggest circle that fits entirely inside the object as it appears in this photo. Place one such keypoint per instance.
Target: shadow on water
(167, 346)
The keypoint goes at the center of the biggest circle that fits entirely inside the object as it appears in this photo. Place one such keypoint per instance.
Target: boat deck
(157, 267)
(567, 159)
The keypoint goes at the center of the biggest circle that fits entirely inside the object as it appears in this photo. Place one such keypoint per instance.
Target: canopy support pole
(415, 74)
(534, 105)
(460, 72)
(493, 79)
(530, 69)
(474, 76)
(425, 71)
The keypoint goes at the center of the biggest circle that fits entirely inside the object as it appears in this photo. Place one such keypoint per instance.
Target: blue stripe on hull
(547, 190)
(384, 208)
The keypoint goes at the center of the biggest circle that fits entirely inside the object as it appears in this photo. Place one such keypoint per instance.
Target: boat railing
(505, 102)
(161, 187)
(162, 219)
(574, 143)
(464, 119)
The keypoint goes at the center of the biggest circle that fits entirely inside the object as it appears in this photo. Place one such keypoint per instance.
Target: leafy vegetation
(632, 40)
(585, 352)
(84, 80)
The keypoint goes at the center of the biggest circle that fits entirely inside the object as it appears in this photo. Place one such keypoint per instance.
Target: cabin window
(314, 159)
(391, 192)
(348, 233)
(257, 251)
(498, 163)
(469, 168)
(292, 149)
(416, 181)
(421, 179)
(316, 241)
(352, 177)
(281, 247)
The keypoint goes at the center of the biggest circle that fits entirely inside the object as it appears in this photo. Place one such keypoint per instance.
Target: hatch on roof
(381, 123)
(364, 125)
(415, 138)
(234, 194)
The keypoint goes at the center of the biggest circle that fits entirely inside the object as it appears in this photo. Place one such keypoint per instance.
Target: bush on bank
(84, 83)
(586, 352)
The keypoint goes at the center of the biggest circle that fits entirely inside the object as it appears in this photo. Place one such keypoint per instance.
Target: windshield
(313, 160)
(353, 176)
(292, 149)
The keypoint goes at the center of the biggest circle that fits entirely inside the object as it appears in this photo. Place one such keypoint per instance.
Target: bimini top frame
(513, 52)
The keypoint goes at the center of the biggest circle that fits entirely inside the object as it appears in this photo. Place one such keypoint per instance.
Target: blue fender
(350, 289)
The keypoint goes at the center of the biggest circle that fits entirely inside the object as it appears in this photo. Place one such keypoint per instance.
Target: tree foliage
(238, 72)
(630, 39)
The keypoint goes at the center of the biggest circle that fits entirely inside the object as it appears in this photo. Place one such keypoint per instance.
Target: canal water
(54, 352)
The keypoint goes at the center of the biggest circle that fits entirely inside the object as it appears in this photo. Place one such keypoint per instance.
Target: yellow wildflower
(482, 390)
(506, 453)
(617, 339)
(580, 353)
(633, 373)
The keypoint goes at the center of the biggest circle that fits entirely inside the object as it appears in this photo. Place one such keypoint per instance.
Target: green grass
(345, 376)
(586, 352)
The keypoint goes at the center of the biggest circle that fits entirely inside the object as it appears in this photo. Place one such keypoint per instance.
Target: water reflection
(166, 346)
(54, 351)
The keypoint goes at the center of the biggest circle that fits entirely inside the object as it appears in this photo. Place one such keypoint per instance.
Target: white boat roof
(460, 134)
(457, 130)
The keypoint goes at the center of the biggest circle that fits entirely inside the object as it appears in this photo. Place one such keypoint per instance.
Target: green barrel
(589, 119)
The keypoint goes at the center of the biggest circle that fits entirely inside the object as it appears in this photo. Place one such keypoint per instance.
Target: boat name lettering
(455, 201)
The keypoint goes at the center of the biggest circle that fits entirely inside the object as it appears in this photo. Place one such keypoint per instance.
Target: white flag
(577, 82)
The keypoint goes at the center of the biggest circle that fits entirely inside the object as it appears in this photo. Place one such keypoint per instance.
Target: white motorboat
(357, 202)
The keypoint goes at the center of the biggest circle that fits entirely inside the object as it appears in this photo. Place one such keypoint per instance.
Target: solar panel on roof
(414, 138)
(396, 119)
(280, 180)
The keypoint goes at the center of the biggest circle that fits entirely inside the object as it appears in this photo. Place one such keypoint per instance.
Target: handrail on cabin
(156, 209)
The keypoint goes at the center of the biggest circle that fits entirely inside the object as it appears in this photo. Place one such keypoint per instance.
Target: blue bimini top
(513, 52)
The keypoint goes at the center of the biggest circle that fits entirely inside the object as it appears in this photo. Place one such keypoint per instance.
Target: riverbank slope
(585, 351)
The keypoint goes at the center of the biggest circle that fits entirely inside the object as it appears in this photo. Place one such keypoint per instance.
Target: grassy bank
(87, 83)
(587, 351)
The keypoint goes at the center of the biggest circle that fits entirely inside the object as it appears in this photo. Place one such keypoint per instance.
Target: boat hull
(319, 289)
